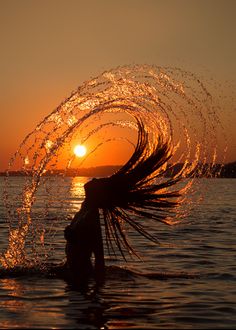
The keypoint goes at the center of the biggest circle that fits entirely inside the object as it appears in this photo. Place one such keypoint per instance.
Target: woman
(132, 190)
(84, 239)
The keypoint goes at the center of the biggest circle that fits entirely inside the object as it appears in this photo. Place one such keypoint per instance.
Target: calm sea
(203, 245)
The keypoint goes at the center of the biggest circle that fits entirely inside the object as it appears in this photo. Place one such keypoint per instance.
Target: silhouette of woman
(127, 197)
(84, 238)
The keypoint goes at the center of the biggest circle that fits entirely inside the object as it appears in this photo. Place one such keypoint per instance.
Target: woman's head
(97, 192)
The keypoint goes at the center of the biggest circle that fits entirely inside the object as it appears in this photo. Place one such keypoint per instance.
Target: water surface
(203, 245)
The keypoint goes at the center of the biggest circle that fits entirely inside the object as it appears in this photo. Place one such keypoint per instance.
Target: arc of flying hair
(133, 193)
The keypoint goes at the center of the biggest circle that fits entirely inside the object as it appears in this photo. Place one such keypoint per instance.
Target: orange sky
(48, 48)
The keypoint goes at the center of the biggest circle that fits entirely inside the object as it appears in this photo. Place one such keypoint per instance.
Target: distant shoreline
(226, 171)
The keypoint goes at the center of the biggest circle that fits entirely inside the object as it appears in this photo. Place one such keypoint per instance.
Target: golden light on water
(80, 150)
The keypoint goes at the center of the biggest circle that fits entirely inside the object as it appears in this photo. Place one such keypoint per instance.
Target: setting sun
(79, 150)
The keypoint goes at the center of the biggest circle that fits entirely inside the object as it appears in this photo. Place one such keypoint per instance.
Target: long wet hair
(133, 194)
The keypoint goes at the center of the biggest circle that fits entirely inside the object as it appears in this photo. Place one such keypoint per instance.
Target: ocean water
(194, 273)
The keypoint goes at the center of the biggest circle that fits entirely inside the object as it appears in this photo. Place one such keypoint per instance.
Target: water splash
(171, 103)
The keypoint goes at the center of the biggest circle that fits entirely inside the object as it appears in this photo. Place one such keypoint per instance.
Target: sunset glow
(80, 151)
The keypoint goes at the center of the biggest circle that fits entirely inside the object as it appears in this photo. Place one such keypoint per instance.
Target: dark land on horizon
(221, 171)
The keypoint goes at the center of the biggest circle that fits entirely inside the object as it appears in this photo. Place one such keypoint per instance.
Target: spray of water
(171, 103)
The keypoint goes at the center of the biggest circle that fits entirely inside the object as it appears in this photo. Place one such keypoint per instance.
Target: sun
(79, 150)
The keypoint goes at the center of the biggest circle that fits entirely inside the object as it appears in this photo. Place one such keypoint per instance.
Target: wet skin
(84, 238)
